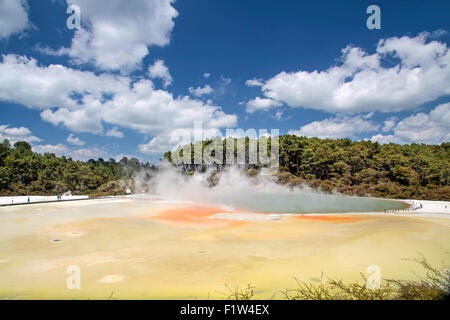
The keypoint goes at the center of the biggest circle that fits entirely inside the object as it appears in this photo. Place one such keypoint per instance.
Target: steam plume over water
(234, 189)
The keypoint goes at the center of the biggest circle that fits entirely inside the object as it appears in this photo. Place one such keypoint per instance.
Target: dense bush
(362, 168)
(23, 172)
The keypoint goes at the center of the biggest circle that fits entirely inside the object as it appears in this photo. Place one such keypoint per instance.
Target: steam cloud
(232, 188)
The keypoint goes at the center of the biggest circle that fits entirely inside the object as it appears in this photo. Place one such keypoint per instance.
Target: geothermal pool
(145, 248)
(305, 202)
(261, 193)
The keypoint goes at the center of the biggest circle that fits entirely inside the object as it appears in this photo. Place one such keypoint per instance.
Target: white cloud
(115, 35)
(198, 92)
(75, 140)
(114, 132)
(389, 124)
(85, 118)
(24, 81)
(178, 137)
(153, 111)
(361, 82)
(438, 33)
(13, 17)
(159, 70)
(430, 128)
(165, 142)
(254, 83)
(82, 154)
(206, 75)
(76, 100)
(222, 86)
(123, 155)
(259, 104)
(17, 134)
(24, 134)
(380, 138)
(225, 80)
(279, 116)
(58, 149)
(342, 126)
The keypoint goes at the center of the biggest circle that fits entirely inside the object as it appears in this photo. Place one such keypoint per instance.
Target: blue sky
(138, 74)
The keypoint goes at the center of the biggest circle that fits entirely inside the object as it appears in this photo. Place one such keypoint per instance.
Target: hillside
(363, 168)
(24, 172)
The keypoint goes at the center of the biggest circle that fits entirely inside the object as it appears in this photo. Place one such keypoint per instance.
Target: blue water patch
(308, 202)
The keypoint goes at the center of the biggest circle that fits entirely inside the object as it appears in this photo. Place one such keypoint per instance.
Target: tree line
(415, 171)
(24, 172)
(363, 168)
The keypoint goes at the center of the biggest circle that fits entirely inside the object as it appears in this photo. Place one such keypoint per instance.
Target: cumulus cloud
(24, 81)
(389, 124)
(166, 141)
(82, 154)
(116, 35)
(13, 17)
(438, 33)
(341, 126)
(17, 134)
(24, 134)
(254, 83)
(76, 99)
(159, 70)
(279, 116)
(363, 82)
(200, 91)
(157, 112)
(114, 132)
(206, 75)
(86, 118)
(263, 104)
(430, 128)
(148, 110)
(222, 86)
(169, 140)
(75, 140)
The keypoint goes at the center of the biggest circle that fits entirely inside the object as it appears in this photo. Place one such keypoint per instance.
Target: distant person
(28, 199)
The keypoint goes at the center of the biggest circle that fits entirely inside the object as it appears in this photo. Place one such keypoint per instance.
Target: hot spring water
(307, 202)
(236, 190)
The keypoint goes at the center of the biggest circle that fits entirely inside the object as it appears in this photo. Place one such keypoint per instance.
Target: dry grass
(333, 289)
(434, 285)
(236, 293)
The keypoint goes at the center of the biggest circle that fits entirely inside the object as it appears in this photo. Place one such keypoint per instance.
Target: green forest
(24, 172)
(363, 168)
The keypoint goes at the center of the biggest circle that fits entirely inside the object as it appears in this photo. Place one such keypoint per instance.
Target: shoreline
(79, 198)
(421, 208)
(22, 200)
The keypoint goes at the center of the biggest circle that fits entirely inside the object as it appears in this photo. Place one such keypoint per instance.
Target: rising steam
(233, 188)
